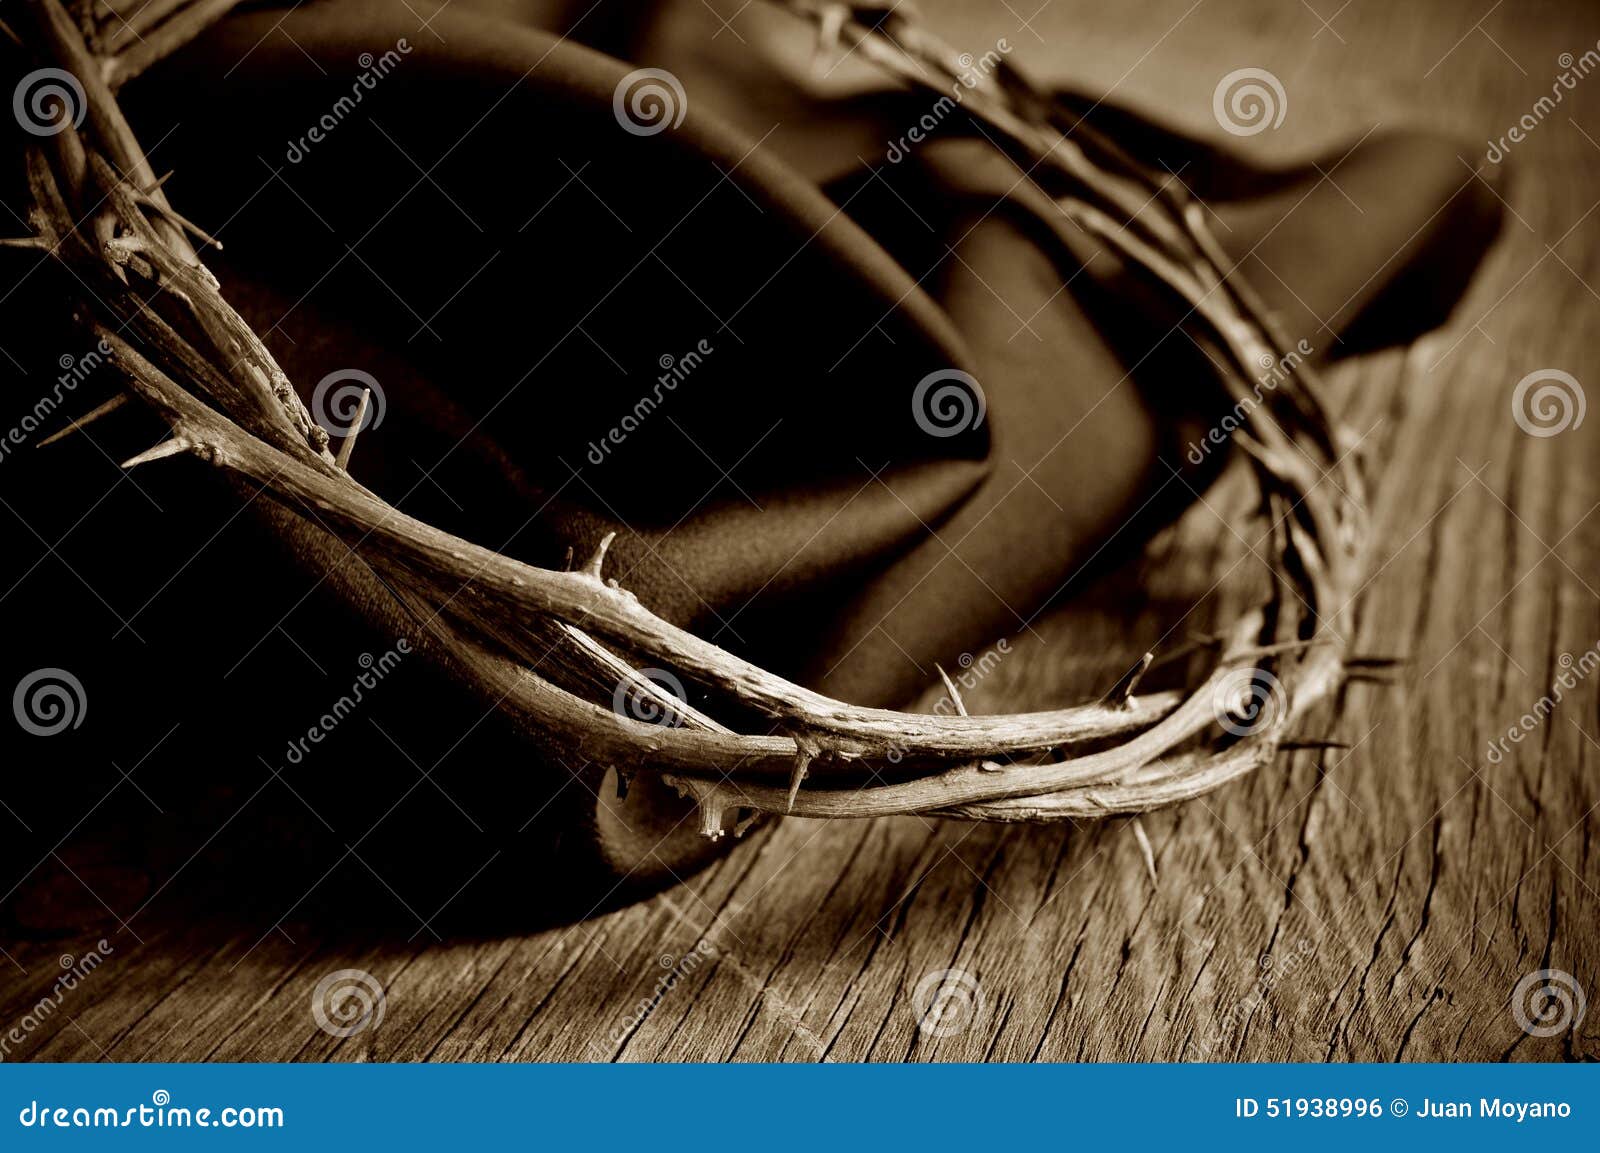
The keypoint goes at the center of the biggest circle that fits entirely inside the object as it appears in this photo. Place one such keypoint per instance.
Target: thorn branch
(161, 451)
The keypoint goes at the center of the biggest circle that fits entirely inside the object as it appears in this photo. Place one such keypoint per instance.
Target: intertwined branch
(558, 648)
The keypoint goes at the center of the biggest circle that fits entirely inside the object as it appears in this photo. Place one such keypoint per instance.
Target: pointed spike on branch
(37, 242)
(1257, 652)
(950, 687)
(711, 817)
(89, 417)
(706, 797)
(598, 560)
(161, 451)
(1374, 661)
(1374, 676)
(1121, 693)
(1144, 849)
(743, 819)
(179, 219)
(802, 762)
(348, 445)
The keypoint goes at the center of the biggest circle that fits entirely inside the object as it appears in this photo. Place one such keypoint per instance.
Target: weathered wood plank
(1401, 887)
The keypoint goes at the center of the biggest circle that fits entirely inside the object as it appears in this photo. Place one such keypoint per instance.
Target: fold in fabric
(519, 273)
(707, 340)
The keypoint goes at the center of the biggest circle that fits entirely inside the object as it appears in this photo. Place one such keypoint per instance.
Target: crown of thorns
(759, 743)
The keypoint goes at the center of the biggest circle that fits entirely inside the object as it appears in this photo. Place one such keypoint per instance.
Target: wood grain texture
(1395, 890)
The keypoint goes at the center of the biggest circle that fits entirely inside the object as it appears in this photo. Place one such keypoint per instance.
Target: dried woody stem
(552, 646)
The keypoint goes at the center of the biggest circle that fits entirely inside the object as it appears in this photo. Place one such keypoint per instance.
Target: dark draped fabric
(772, 277)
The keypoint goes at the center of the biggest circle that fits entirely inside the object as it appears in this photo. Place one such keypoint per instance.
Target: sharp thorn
(1121, 693)
(1256, 652)
(1195, 643)
(950, 687)
(1145, 850)
(566, 565)
(165, 449)
(598, 560)
(711, 817)
(802, 762)
(24, 242)
(180, 220)
(89, 417)
(1373, 662)
(348, 445)
(1376, 676)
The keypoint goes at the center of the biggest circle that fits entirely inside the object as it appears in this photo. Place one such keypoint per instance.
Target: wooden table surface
(1375, 902)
